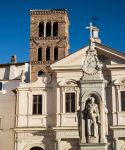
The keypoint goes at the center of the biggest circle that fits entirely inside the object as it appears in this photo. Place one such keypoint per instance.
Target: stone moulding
(34, 12)
(48, 38)
(100, 146)
(42, 62)
(27, 147)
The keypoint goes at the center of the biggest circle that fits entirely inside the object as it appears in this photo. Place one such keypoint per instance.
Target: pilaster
(58, 144)
(116, 144)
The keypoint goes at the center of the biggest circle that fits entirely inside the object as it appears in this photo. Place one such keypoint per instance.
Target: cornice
(65, 128)
(42, 62)
(116, 66)
(71, 68)
(114, 127)
(16, 64)
(110, 50)
(49, 38)
(54, 11)
(22, 129)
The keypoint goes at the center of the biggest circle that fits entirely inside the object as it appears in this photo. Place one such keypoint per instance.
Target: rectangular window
(70, 102)
(37, 104)
(0, 86)
(122, 100)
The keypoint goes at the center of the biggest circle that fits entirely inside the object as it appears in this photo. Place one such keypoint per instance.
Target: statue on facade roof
(22, 76)
(13, 59)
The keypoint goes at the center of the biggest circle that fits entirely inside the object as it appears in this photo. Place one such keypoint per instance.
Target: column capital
(45, 22)
(52, 22)
(116, 138)
(58, 139)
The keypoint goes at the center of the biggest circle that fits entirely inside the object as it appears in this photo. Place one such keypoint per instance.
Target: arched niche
(95, 94)
(36, 148)
(93, 109)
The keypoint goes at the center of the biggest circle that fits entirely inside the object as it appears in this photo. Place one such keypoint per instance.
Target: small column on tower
(44, 29)
(51, 28)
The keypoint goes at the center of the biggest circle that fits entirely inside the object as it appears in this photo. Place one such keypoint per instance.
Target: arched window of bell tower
(41, 29)
(48, 29)
(56, 53)
(40, 54)
(55, 29)
(48, 54)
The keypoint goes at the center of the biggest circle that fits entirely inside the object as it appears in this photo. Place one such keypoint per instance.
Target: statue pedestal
(98, 146)
(93, 140)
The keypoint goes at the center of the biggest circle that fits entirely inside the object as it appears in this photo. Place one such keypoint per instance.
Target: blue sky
(14, 24)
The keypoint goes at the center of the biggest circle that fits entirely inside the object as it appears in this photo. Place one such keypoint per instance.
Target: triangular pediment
(72, 61)
(109, 55)
(105, 54)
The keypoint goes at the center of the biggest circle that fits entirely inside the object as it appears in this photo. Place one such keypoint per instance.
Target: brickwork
(35, 68)
(36, 42)
(44, 43)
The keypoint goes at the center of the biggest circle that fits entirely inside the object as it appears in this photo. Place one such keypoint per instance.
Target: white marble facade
(58, 126)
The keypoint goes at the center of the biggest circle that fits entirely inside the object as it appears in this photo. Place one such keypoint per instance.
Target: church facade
(62, 101)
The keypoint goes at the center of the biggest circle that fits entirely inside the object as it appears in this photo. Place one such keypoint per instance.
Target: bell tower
(48, 39)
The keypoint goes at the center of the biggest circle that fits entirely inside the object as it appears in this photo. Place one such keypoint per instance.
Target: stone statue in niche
(92, 118)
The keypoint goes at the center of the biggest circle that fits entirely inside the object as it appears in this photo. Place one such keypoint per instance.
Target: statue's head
(92, 99)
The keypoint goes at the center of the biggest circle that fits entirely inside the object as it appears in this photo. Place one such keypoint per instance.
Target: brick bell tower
(48, 39)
